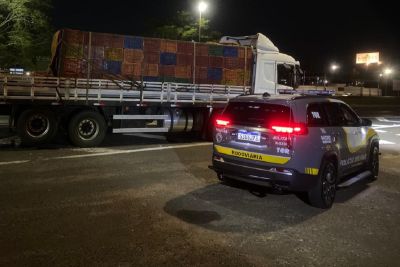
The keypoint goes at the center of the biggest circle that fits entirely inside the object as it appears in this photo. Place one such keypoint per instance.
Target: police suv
(300, 143)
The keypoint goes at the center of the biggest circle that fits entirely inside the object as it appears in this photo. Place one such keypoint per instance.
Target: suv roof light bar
(307, 92)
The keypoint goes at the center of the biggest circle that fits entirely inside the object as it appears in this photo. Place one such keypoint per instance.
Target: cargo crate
(185, 48)
(233, 63)
(201, 73)
(214, 74)
(71, 67)
(73, 51)
(184, 60)
(150, 70)
(133, 55)
(131, 69)
(202, 61)
(216, 50)
(75, 37)
(114, 54)
(167, 70)
(152, 45)
(116, 41)
(113, 67)
(183, 72)
(167, 58)
(169, 46)
(230, 51)
(201, 49)
(216, 62)
(152, 57)
(132, 42)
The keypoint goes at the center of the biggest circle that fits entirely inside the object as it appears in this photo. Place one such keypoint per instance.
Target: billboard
(367, 58)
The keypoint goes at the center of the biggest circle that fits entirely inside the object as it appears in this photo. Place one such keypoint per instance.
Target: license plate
(249, 136)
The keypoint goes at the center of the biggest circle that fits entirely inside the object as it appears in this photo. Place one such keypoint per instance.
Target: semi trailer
(128, 84)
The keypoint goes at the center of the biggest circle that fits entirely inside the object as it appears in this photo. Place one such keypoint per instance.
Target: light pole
(387, 73)
(202, 7)
(333, 68)
(379, 81)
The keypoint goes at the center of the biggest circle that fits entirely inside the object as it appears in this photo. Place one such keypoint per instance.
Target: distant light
(28, 73)
(334, 67)
(202, 6)
(326, 81)
(388, 71)
(380, 74)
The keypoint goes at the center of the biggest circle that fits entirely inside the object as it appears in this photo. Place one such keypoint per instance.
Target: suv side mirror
(366, 122)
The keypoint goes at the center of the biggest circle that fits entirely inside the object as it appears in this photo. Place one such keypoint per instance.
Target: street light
(202, 7)
(334, 67)
(388, 71)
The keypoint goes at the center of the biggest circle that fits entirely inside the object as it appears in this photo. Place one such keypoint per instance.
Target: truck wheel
(373, 164)
(323, 194)
(87, 129)
(36, 126)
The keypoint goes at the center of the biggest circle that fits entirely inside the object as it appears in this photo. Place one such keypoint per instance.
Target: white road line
(375, 126)
(384, 142)
(13, 162)
(386, 120)
(150, 136)
(380, 131)
(117, 152)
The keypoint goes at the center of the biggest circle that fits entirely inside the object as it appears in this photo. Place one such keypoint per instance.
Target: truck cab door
(265, 77)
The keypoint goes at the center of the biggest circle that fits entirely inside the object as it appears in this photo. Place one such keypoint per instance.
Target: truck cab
(272, 70)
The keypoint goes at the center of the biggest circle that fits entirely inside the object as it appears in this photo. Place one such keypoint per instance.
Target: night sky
(316, 33)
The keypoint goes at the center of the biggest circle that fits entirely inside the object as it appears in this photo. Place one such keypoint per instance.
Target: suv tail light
(222, 121)
(298, 129)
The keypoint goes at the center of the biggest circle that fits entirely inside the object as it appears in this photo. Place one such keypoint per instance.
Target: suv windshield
(257, 114)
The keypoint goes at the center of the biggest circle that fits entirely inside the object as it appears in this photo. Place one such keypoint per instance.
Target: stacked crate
(151, 59)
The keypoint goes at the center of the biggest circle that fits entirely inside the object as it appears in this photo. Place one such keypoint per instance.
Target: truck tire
(323, 194)
(36, 126)
(87, 129)
(373, 163)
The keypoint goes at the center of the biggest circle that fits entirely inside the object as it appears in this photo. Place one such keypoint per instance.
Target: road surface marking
(386, 120)
(150, 136)
(384, 142)
(376, 126)
(380, 131)
(13, 162)
(117, 152)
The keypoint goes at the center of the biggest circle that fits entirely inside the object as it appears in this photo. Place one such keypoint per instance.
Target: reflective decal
(326, 139)
(353, 160)
(311, 171)
(356, 137)
(251, 155)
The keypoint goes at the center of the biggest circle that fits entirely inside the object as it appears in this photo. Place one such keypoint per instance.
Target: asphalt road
(140, 201)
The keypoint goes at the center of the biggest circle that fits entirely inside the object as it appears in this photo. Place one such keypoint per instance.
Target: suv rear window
(257, 114)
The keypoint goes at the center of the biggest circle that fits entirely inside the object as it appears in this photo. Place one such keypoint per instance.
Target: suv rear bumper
(293, 181)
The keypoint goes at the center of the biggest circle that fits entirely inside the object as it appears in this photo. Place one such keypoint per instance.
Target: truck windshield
(256, 114)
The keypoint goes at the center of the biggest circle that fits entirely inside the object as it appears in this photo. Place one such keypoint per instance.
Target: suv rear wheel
(323, 195)
(373, 164)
